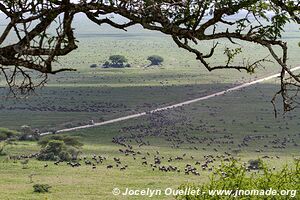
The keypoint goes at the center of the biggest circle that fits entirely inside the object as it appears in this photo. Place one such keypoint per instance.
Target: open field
(240, 124)
(206, 128)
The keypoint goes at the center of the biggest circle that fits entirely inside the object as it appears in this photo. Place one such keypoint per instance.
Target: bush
(64, 155)
(235, 177)
(7, 133)
(93, 65)
(47, 156)
(29, 137)
(51, 150)
(41, 188)
(74, 152)
(70, 141)
(27, 134)
(57, 147)
(26, 129)
(155, 60)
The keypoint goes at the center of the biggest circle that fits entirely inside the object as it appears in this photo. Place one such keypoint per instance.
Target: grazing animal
(109, 166)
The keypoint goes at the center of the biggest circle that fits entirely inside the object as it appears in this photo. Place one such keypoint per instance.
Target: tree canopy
(155, 60)
(116, 61)
(187, 22)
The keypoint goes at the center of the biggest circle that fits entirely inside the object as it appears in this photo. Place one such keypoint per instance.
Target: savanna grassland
(240, 124)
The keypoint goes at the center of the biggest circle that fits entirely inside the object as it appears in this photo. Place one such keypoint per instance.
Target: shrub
(51, 150)
(27, 134)
(7, 133)
(41, 188)
(235, 177)
(64, 155)
(71, 141)
(47, 156)
(29, 137)
(74, 152)
(57, 147)
(93, 65)
(26, 129)
(155, 60)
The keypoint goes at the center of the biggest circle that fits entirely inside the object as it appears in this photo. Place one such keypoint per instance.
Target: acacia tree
(188, 22)
(155, 60)
(117, 60)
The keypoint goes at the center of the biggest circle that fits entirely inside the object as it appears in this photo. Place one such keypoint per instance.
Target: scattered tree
(59, 148)
(155, 60)
(51, 151)
(116, 61)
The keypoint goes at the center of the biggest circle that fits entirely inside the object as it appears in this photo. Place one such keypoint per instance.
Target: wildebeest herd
(199, 143)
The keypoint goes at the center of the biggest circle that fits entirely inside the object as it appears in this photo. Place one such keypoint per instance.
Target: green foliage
(155, 60)
(68, 140)
(29, 137)
(235, 177)
(41, 188)
(52, 150)
(26, 129)
(231, 53)
(64, 155)
(73, 152)
(117, 59)
(7, 133)
(27, 134)
(59, 147)
(106, 64)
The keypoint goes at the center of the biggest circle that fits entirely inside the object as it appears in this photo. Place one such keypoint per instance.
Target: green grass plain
(101, 94)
